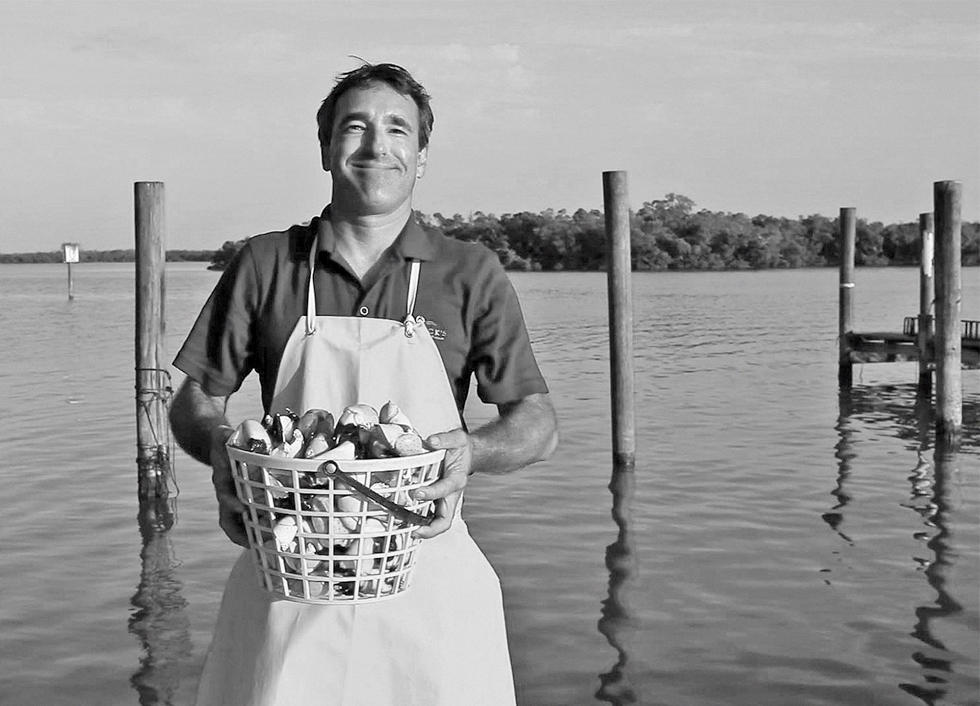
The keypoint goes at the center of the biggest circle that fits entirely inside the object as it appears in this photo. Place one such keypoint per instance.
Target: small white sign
(928, 253)
(71, 252)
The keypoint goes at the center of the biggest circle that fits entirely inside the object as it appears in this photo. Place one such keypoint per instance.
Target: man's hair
(363, 76)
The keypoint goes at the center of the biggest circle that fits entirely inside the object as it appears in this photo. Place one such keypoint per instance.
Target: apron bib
(443, 641)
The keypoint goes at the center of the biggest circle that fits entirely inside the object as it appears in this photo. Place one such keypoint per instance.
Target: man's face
(374, 156)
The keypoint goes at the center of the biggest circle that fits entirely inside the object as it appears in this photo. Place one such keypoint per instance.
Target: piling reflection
(159, 618)
(617, 622)
(935, 512)
(898, 411)
(844, 453)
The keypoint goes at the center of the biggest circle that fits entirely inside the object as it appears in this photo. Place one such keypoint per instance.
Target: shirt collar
(413, 243)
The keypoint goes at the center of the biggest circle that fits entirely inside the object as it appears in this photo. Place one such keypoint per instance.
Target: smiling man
(294, 307)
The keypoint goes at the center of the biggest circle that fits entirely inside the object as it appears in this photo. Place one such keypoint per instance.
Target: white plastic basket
(315, 540)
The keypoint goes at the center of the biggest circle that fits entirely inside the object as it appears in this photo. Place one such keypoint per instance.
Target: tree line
(665, 234)
(104, 256)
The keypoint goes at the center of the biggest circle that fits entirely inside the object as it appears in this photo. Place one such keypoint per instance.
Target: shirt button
(363, 311)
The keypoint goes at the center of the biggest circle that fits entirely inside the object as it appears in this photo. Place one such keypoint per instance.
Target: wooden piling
(926, 290)
(619, 262)
(947, 197)
(152, 379)
(848, 236)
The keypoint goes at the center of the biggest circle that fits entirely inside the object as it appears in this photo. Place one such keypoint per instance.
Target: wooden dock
(937, 338)
(890, 347)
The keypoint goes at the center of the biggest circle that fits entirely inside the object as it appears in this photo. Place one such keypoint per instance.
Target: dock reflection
(896, 410)
(159, 618)
(618, 622)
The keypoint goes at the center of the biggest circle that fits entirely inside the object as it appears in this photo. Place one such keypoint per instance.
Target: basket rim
(391, 463)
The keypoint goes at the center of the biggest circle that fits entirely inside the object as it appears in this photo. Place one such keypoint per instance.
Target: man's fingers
(444, 510)
(441, 488)
(434, 528)
(447, 439)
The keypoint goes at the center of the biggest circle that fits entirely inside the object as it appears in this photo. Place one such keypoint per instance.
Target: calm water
(776, 544)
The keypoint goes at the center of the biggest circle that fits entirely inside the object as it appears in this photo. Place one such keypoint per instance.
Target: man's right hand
(230, 508)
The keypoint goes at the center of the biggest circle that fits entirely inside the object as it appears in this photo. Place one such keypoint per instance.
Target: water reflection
(844, 453)
(935, 512)
(617, 622)
(898, 411)
(159, 618)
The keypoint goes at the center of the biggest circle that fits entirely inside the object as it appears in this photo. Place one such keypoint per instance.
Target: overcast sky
(785, 108)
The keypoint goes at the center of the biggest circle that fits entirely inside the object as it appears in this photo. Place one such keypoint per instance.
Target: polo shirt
(469, 306)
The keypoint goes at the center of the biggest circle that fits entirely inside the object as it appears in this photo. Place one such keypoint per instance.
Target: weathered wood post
(947, 197)
(848, 236)
(152, 379)
(617, 213)
(926, 289)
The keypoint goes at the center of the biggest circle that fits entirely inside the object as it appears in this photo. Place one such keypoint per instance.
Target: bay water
(778, 542)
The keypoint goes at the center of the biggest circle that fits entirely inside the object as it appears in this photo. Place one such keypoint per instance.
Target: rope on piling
(161, 460)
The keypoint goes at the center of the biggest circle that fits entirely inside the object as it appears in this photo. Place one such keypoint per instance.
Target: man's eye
(353, 128)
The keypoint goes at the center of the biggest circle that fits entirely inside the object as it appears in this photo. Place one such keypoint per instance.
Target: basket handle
(330, 468)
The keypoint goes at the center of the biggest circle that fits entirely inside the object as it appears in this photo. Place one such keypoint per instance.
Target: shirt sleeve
(501, 356)
(219, 350)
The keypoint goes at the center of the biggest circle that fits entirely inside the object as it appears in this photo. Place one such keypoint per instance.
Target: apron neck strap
(413, 289)
(310, 292)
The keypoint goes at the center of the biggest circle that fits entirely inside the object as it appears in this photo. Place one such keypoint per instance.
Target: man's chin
(375, 204)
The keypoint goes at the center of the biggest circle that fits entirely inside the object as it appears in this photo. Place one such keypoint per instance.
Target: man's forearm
(525, 432)
(194, 416)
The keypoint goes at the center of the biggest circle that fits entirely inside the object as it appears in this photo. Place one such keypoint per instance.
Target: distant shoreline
(57, 257)
(666, 235)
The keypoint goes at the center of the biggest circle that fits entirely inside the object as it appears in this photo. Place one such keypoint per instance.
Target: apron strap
(413, 287)
(310, 292)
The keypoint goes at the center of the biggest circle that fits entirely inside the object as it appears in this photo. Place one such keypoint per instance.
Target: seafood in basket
(330, 509)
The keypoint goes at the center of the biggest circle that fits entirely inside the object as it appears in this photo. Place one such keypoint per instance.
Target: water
(776, 544)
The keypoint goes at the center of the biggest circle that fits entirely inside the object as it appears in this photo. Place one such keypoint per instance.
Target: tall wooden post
(949, 393)
(848, 236)
(152, 379)
(926, 289)
(616, 204)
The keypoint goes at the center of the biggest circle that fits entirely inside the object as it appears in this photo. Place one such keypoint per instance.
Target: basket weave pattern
(314, 540)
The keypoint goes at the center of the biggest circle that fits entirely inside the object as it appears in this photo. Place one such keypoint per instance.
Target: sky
(785, 108)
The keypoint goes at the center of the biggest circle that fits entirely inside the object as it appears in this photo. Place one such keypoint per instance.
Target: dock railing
(971, 329)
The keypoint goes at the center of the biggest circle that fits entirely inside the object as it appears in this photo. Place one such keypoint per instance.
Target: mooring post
(848, 235)
(926, 289)
(617, 213)
(949, 393)
(152, 379)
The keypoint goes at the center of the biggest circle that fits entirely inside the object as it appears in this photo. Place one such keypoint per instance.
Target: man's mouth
(372, 165)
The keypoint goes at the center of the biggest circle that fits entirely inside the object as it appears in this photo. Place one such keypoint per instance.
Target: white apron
(443, 641)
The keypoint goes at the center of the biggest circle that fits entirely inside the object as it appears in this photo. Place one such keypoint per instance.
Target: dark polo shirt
(469, 305)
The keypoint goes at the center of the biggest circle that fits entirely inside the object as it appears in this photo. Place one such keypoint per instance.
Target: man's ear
(325, 156)
(420, 165)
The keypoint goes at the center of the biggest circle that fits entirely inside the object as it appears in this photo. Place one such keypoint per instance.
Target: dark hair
(391, 74)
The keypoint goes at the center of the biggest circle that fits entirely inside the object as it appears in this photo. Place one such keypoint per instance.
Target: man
(296, 307)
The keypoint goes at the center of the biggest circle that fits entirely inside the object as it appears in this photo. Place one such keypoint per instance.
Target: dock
(938, 339)
(893, 347)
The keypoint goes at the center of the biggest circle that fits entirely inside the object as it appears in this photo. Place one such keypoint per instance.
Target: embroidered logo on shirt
(438, 334)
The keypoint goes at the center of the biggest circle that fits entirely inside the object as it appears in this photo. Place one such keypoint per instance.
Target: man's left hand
(447, 490)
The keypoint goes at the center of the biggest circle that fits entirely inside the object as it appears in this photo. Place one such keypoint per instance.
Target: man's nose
(375, 143)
